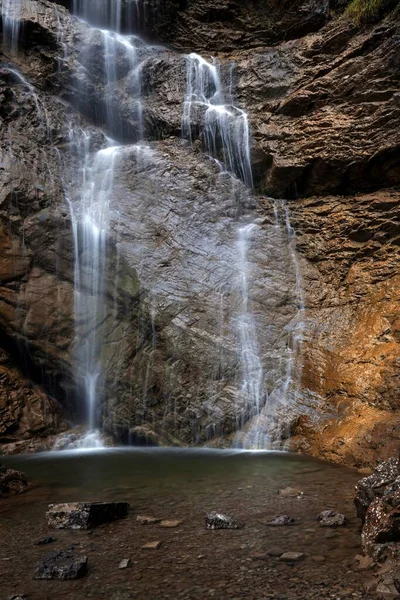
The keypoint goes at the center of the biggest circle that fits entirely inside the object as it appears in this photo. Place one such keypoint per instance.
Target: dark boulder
(380, 536)
(85, 515)
(61, 565)
(11, 482)
(375, 485)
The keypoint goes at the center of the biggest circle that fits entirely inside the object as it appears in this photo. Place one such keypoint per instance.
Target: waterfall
(10, 15)
(252, 377)
(226, 127)
(90, 220)
(209, 113)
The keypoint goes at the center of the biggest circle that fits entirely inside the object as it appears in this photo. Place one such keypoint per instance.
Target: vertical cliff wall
(321, 93)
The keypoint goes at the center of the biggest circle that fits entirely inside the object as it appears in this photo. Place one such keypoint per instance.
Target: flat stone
(152, 546)
(331, 518)
(125, 563)
(45, 541)
(60, 564)
(84, 515)
(280, 520)
(291, 556)
(170, 524)
(145, 520)
(290, 492)
(221, 521)
(275, 552)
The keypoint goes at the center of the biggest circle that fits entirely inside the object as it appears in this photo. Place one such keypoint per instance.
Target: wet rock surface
(85, 515)
(221, 521)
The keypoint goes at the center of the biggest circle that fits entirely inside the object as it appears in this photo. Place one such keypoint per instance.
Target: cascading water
(226, 137)
(253, 380)
(226, 127)
(209, 112)
(10, 15)
(90, 220)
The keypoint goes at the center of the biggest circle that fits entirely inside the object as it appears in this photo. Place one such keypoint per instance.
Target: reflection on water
(121, 472)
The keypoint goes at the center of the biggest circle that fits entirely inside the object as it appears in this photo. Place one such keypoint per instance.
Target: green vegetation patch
(370, 11)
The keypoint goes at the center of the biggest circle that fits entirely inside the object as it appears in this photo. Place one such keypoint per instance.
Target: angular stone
(291, 556)
(331, 518)
(221, 521)
(170, 524)
(84, 515)
(280, 520)
(125, 563)
(152, 546)
(144, 520)
(61, 564)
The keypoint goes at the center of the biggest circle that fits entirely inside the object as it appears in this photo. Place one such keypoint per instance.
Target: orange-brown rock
(351, 354)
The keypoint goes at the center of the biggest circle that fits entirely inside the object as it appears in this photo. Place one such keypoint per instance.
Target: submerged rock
(331, 518)
(45, 541)
(11, 482)
(61, 564)
(144, 520)
(290, 492)
(221, 521)
(152, 545)
(170, 524)
(291, 556)
(84, 515)
(279, 520)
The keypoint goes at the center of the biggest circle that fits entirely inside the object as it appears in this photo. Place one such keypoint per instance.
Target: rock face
(85, 515)
(323, 105)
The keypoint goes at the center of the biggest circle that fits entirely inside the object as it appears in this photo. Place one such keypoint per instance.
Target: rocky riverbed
(164, 548)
